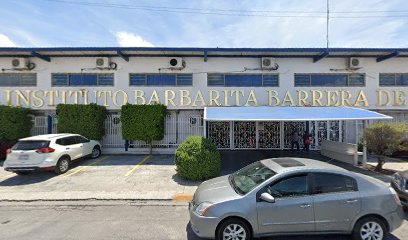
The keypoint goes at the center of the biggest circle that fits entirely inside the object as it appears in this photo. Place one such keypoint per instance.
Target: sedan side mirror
(267, 197)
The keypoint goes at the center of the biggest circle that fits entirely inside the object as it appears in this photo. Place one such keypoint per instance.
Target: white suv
(49, 152)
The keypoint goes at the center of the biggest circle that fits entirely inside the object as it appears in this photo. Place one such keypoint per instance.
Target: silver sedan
(285, 196)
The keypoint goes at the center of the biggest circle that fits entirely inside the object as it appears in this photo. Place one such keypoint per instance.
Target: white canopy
(265, 113)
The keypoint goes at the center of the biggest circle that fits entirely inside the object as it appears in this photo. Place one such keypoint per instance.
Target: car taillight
(45, 150)
(395, 195)
(8, 151)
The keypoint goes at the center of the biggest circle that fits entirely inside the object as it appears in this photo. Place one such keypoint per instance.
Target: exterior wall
(178, 124)
(199, 68)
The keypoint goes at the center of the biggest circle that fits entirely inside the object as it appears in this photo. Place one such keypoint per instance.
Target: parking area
(108, 177)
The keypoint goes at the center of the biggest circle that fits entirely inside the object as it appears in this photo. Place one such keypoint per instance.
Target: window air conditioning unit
(176, 63)
(19, 63)
(354, 63)
(269, 63)
(102, 62)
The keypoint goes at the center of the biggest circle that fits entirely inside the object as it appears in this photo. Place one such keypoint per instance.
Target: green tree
(143, 122)
(87, 120)
(384, 139)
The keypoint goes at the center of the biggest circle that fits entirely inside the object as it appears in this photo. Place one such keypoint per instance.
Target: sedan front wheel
(233, 229)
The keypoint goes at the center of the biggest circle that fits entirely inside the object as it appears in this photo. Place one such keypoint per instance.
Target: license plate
(23, 157)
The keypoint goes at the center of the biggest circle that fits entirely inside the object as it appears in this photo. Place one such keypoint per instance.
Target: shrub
(87, 120)
(384, 139)
(197, 158)
(15, 123)
(143, 122)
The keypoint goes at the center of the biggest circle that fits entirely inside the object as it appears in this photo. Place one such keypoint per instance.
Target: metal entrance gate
(273, 135)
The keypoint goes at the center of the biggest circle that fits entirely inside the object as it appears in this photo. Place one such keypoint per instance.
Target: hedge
(197, 158)
(143, 122)
(15, 123)
(87, 120)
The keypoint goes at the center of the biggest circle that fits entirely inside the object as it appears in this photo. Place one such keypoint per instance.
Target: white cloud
(6, 41)
(127, 39)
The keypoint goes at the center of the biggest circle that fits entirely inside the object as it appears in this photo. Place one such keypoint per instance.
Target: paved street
(117, 220)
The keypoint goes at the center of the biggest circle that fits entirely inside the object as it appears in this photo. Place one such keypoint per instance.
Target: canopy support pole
(205, 128)
(356, 146)
(364, 144)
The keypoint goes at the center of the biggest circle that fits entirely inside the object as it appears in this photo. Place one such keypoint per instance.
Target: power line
(230, 12)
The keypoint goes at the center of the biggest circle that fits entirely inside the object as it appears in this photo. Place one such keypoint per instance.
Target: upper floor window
(329, 80)
(18, 79)
(243, 80)
(393, 79)
(82, 79)
(167, 79)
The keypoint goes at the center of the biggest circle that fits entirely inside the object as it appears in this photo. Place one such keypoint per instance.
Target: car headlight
(202, 208)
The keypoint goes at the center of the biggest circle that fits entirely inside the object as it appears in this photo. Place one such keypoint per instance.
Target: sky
(182, 23)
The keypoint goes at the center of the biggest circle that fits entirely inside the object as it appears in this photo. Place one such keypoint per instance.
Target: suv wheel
(233, 229)
(62, 165)
(370, 228)
(96, 152)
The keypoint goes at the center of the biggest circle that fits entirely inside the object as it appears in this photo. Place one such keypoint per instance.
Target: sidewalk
(391, 164)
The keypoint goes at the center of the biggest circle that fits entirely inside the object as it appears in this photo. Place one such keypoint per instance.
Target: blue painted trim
(183, 49)
(391, 55)
(49, 124)
(320, 57)
(45, 58)
(200, 56)
(122, 55)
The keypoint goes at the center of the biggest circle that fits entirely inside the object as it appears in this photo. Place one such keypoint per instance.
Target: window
(243, 80)
(143, 79)
(294, 186)
(393, 79)
(82, 79)
(66, 141)
(329, 80)
(80, 139)
(332, 183)
(18, 79)
(247, 178)
(31, 145)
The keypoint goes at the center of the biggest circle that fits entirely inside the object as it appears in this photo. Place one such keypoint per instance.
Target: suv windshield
(249, 177)
(30, 145)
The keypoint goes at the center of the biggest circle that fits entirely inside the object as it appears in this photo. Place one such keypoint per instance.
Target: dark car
(400, 184)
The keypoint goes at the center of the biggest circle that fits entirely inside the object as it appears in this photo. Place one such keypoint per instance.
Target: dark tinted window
(329, 80)
(289, 187)
(331, 183)
(18, 79)
(30, 145)
(80, 139)
(66, 141)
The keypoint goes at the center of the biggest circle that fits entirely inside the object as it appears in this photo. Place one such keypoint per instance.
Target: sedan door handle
(305, 205)
(350, 201)
(67, 148)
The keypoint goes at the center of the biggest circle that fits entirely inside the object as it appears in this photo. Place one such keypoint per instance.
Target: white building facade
(189, 79)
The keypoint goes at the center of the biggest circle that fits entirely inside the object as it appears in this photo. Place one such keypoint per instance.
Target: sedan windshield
(249, 177)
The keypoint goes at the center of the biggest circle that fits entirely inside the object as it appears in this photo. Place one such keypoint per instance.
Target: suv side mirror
(267, 197)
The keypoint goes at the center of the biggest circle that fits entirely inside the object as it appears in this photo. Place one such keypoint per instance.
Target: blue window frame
(18, 79)
(153, 79)
(393, 79)
(243, 80)
(329, 80)
(82, 79)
